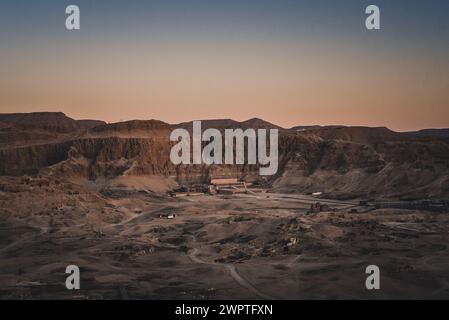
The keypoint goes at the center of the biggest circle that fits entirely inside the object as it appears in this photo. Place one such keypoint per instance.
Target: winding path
(233, 272)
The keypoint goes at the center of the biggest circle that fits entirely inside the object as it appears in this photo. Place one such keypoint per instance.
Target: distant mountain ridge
(222, 124)
(60, 122)
(53, 121)
(433, 133)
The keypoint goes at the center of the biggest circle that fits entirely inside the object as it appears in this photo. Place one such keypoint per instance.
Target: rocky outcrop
(342, 162)
(30, 159)
(400, 168)
(134, 127)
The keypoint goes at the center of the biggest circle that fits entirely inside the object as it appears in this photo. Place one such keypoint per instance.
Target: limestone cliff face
(113, 156)
(29, 159)
(391, 166)
(365, 162)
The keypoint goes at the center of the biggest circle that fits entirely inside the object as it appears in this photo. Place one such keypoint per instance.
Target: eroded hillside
(343, 162)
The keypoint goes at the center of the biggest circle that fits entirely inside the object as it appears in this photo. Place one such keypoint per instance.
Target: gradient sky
(290, 62)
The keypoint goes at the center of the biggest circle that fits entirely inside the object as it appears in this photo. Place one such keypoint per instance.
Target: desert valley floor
(216, 247)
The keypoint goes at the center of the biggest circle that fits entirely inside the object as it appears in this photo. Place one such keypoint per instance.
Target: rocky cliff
(343, 162)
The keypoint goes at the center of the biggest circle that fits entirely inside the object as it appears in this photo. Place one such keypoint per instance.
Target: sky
(290, 62)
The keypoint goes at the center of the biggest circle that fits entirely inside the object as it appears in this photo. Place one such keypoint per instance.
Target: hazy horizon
(287, 62)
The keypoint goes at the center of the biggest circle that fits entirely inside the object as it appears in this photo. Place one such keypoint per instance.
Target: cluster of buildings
(225, 186)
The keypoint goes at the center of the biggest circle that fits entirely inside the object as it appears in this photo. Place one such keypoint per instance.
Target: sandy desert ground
(264, 246)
